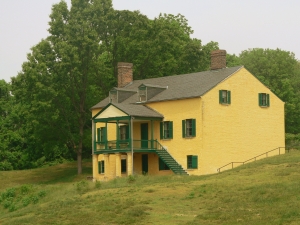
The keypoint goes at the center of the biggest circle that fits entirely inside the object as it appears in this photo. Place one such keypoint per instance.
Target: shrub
(82, 187)
(131, 179)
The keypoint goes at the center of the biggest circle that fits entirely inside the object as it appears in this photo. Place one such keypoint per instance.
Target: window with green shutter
(192, 161)
(124, 132)
(101, 134)
(189, 128)
(101, 167)
(162, 165)
(264, 99)
(224, 97)
(166, 130)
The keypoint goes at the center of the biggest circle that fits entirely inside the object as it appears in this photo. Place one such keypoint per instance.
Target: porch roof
(133, 110)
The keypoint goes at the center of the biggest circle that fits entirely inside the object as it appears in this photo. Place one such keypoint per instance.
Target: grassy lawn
(263, 192)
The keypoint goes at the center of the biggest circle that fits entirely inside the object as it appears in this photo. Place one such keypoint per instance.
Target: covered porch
(116, 129)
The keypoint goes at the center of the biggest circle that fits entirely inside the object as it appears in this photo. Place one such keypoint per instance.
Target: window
(101, 134)
(113, 96)
(166, 130)
(142, 94)
(192, 161)
(123, 165)
(189, 128)
(101, 167)
(264, 99)
(162, 165)
(224, 97)
(124, 132)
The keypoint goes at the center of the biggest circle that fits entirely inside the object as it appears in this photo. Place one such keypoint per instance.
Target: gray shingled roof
(137, 110)
(179, 86)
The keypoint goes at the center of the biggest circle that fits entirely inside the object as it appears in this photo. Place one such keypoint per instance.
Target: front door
(144, 163)
(144, 135)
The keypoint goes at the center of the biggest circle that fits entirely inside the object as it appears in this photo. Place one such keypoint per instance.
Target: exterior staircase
(171, 162)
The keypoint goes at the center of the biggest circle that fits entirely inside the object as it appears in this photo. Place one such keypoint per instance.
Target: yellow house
(184, 124)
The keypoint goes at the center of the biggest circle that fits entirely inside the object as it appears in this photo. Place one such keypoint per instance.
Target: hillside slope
(262, 192)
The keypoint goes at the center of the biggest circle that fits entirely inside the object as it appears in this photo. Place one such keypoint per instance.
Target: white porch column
(95, 167)
(129, 164)
(106, 165)
(118, 164)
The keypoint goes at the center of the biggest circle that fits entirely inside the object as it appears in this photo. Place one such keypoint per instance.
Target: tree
(278, 70)
(76, 66)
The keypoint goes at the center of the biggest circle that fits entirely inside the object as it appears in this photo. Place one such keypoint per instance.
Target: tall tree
(278, 70)
(76, 65)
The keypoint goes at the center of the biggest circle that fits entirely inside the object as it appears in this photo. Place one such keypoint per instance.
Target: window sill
(166, 139)
(226, 104)
(189, 137)
(264, 106)
(190, 169)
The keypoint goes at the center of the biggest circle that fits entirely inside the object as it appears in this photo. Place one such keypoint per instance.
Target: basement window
(192, 161)
(166, 130)
(264, 99)
(224, 97)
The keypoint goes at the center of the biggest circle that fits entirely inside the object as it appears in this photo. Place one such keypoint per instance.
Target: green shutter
(98, 134)
(194, 161)
(102, 168)
(183, 128)
(228, 97)
(194, 127)
(220, 97)
(99, 167)
(127, 132)
(260, 99)
(268, 100)
(161, 130)
(171, 129)
(104, 134)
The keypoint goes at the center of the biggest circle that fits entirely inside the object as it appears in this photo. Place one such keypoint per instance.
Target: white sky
(235, 24)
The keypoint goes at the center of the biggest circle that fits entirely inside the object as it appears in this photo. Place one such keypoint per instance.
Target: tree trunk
(79, 162)
(79, 150)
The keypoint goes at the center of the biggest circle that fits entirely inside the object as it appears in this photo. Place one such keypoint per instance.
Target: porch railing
(126, 145)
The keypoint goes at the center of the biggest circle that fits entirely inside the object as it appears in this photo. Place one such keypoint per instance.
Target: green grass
(263, 192)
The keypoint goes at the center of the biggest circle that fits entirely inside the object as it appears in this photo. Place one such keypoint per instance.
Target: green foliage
(21, 196)
(47, 117)
(82, 187)
(97, 184)
(278, 70)
(292, 141)
(131, 178)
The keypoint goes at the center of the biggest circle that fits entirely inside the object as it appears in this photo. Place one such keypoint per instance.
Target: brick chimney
(218, 59)
(124, 74)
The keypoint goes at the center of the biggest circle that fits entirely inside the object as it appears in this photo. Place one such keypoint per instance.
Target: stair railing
(254, 158)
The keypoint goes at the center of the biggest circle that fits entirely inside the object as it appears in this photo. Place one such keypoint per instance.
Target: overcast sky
(236, 25)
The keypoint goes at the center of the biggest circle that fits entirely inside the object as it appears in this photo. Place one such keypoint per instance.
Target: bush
(292, 141)
(82, 187)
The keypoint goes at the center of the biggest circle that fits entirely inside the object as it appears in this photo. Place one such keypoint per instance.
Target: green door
(144, 135)
(144, 163)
